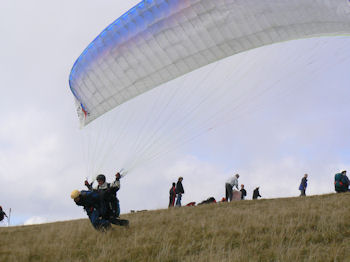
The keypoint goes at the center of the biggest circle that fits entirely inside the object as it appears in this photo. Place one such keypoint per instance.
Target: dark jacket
(95, 208)
(172, 191)
(88, 199)
(2, 215)
(256, 193)
(244, 193)
(108, 192)
(303, 184)
(91, 200)
(179, 188)
(346, 180)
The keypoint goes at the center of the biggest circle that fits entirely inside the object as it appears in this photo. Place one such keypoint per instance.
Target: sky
(271, 114)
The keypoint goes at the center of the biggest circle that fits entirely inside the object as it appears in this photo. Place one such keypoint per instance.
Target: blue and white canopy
(160, 40)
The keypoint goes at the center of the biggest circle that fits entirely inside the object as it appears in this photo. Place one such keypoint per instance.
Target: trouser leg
(97, 222)
(178, 200)
(228, 190)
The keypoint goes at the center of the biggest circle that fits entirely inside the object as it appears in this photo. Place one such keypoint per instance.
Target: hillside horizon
(313, 228)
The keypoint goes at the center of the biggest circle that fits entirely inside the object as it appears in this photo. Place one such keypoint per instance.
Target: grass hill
(315, 228)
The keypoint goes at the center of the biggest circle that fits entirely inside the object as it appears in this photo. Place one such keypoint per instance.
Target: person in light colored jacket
(229, 185)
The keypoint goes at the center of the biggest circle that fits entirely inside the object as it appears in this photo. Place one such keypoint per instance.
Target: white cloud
(35, 220)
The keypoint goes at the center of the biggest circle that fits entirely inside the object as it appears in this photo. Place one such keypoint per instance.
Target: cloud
(35, 220)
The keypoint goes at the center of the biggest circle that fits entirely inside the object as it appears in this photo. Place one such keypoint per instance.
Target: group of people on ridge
(101, 203)
(341, 183)
(232, 183)
(176, 191)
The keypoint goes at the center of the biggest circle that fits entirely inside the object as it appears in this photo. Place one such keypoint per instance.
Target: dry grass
(291, 229)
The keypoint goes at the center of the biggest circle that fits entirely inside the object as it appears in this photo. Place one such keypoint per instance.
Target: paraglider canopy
(160, 50)
(160, 40)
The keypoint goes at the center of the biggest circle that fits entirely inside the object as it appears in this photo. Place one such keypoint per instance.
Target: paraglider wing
(157, 41)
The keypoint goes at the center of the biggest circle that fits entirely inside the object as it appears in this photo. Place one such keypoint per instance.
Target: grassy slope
(291, 229)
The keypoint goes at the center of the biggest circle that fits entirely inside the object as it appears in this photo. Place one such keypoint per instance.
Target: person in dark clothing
(256, 193)
(94, 206)
(179, 190)
(303, 185)
(346, 182)
(243, 192)
(108, 192)
(172, 195)
(2, 214)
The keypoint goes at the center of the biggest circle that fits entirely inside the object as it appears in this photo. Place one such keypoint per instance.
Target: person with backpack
(303, 185)
(2, 214)
(108, 192)
(94, 206)
(172, 195)
(179, 190)
(341, 182)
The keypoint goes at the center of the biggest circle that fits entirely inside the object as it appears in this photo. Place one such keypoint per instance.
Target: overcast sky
(282, 111)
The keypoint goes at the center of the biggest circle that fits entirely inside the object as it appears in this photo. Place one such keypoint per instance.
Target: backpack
(338, 182)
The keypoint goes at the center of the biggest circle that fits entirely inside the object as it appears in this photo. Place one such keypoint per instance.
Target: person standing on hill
(256, 193)
(232, 182)
(243, 192)
(341, 182)
(346, 182)
(2, 214)
(303, 185)
(172, 195)
(179, 190)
